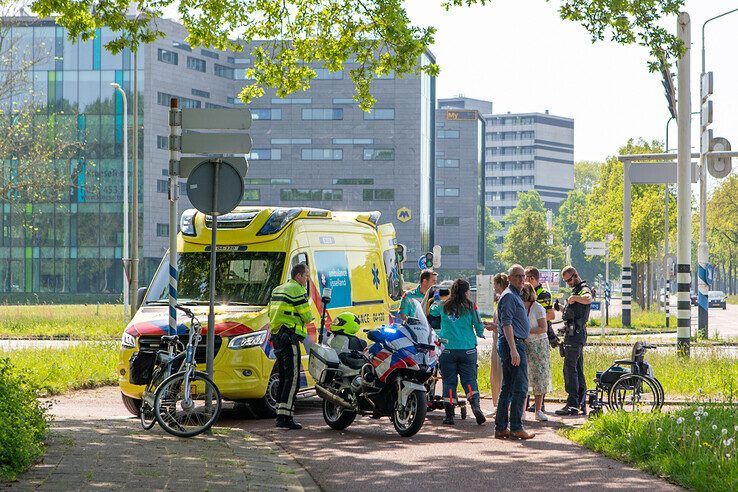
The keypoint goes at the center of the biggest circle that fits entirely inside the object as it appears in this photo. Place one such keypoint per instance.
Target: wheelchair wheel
(635, 393)
(662, 398)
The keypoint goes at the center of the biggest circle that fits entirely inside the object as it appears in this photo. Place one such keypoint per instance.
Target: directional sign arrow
(215, 143)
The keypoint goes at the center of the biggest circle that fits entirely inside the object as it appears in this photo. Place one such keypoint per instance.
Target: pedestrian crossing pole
(625, 275)
(684, 188)
(175, 131)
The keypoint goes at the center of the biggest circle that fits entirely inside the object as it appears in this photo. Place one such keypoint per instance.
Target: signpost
(214, 184)
(601, 248)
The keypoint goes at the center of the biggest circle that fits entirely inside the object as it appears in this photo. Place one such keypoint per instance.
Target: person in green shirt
(428, 279)
(460, 325)
(289, 311)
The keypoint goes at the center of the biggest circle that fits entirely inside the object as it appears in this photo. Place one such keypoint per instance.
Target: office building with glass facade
(315, 149)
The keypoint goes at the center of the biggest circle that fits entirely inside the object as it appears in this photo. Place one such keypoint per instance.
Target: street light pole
(126, 271)
(684, 171)
(703, 249)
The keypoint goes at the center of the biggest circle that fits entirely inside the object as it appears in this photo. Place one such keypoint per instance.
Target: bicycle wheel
(187, 418)
(634, 393)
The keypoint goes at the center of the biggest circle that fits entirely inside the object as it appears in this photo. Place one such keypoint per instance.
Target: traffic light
(429, 260)
(717, 167)
(669, 91)
(400, 252)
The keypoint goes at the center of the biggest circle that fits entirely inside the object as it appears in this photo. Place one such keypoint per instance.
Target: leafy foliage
(492, 261)
(23, 423)
(526, 241)
(585, 175)
(377, 34)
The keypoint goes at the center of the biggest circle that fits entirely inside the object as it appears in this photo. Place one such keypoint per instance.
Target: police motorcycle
(386, 378)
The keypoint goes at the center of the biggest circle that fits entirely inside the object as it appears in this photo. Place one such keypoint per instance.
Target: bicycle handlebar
(185, 310)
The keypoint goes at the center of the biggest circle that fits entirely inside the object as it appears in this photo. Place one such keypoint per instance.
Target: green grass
(733, 299)
(79, 322)
(53, 371)
(640, 320)
(694, 448)
(707, 374)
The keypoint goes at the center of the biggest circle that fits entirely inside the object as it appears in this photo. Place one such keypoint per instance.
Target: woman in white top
(539, 355)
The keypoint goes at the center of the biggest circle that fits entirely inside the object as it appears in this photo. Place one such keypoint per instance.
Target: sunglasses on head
(567, 280)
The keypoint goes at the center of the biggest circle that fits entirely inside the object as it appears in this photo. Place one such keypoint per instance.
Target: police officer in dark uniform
(289, 311)
(576, 315)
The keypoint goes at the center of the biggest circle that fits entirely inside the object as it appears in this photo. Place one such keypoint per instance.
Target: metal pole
(175, 131)
(703, 248)
(134, 208)
(607, 280)
(667, 275)
(549, 226)
(211, 313)
(684, 170)
(126, 264)
(626, 279)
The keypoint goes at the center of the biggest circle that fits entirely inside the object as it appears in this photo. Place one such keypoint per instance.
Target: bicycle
(185, 403)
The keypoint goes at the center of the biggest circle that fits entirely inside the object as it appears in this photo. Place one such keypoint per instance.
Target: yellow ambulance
(348, 252)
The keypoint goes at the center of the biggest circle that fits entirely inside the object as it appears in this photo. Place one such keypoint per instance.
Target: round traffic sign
(202, 182)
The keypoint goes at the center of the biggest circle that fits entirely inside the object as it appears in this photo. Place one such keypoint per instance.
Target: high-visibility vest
(289, 307)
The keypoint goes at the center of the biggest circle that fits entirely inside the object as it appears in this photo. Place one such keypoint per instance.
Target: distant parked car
(716, 298)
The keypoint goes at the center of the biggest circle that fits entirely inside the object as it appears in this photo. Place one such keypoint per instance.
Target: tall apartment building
(315, 149)
(459, 183)
(527, 151)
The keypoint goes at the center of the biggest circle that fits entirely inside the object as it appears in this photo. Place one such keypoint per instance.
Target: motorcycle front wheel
(337, 417)
(409, 419)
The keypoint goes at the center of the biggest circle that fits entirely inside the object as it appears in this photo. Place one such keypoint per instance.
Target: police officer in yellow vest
(288, 312)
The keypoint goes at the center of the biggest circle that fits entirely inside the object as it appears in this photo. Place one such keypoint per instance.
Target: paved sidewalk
(89, 450)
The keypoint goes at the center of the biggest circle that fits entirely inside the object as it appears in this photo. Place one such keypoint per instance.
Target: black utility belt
(286, 330)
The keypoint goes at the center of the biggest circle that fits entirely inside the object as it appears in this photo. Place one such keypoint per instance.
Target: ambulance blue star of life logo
(375, 276)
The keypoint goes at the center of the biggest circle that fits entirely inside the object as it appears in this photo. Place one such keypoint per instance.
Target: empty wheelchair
(628, 385)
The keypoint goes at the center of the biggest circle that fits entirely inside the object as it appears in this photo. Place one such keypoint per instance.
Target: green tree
(492, 263)
(605, 216)
(585, 175)
(526, 241)
(722, 230)
(298, 34)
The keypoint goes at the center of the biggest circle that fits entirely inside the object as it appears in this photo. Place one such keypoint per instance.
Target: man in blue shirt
(514, 329)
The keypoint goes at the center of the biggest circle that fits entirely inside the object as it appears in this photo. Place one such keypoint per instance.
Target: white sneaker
(541, 417)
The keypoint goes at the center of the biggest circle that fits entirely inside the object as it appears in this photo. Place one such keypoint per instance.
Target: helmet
(346, 323)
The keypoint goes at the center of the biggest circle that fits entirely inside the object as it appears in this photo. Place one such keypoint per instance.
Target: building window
(266, 114)
(353, 181)
(162, 98)
(447, 134)
(325, 74)
(267, 181)
(182, 46)
(447, 221)
(379, 154)
(223, 71)
(353, 141)
(447, 163)
(386, 194)
(162, 186)
(251, 195)
(343, 100)
(235, 101)
(293, 195)
(322, 114)
(265, 154)
(162, 230)
(162, 142)
(291, 141)
(210, 54)
(450, 249)
(239, 61)
(183, 189)
(185, 102)
(210, 105)
(447, 192)
(292, 100)
(168, 56)
(322, 154)
(380, 114)
(198, 92)
(196, 64)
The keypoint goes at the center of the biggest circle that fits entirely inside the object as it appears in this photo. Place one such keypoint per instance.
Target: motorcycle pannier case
(141, 367)
(322, 363)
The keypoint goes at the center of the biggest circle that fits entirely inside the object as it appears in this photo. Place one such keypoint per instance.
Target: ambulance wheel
(133, 405)
(266, 406)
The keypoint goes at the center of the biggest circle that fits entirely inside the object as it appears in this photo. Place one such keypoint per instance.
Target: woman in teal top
(460, 325)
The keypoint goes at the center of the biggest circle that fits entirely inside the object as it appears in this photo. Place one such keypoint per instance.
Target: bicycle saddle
(169, 338)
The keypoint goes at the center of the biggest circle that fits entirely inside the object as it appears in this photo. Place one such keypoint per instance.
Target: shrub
(23, 423)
